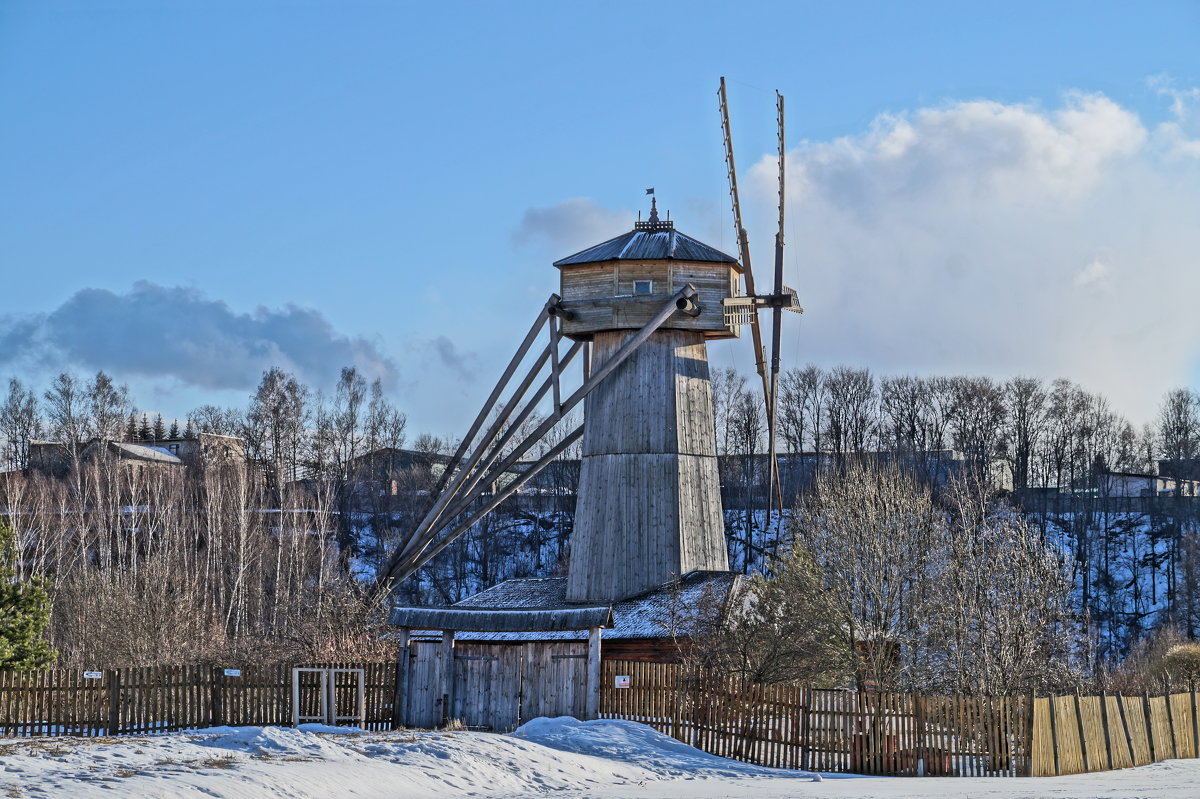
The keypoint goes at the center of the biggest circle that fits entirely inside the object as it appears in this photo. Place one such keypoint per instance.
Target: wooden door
(554, 679)
(487, 685)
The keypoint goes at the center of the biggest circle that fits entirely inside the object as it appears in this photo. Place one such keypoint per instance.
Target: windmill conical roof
(650, 241)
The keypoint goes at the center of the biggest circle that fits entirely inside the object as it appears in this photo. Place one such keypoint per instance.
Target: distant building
(1184, 469)
(53, 458)
(1131, 484)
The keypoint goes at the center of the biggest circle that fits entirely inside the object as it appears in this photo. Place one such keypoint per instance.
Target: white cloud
(571, 225)
(986, 238)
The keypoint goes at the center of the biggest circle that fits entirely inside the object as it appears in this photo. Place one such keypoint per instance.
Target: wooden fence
(783, 726)
(788, 726)
(164, 698)
(1075, 734)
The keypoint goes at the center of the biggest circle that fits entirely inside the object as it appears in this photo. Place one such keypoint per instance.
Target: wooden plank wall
(497, 686)
(901, 734)
(164, 698)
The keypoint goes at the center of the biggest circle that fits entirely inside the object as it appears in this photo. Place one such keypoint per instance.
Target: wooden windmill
(641, 308)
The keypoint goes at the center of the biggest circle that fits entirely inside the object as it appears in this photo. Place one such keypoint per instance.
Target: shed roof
(502, 619)
(660, 613)
(650, 241)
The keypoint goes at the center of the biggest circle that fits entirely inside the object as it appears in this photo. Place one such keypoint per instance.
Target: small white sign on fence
(93, 675)
(622, 680)
(233, 672)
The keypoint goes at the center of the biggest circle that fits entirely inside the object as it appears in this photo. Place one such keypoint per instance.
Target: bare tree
(276, 425)
(1179, 424)
(108, 407)
(20, 421)
(851, 409)
(955, 597)
(1026, 404)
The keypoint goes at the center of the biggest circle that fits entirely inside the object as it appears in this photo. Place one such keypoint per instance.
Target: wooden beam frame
(459, 491)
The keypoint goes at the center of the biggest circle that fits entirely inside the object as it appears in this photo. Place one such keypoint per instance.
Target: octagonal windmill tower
(649, 504)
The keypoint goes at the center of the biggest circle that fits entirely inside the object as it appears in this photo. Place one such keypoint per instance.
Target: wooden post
(805, 734)
(1108, 755)
(114, 702)
(400, 694)
(447, 675)
(1030, 711)
(1149, 726)
(1195, 727)
(1083, 745)
(1054, 734)
(593, 674)
(1171, 725)
(216, 710)
(1125, 728)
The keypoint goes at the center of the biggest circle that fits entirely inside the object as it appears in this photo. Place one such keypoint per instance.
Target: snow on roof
(650, 615)
(144, 453)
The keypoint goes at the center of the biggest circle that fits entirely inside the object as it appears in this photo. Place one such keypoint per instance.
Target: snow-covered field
(546, 757)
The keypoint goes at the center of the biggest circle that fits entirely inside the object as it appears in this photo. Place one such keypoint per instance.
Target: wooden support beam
(471, 489)
(465, 471)
(425, 554)
(554, 368)
(522, 350)
(416, 550)
(447, 675)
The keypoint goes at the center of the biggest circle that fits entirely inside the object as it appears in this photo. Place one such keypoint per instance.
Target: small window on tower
(643, 287)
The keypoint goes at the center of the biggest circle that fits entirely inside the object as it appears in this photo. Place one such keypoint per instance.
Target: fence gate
(322, 694)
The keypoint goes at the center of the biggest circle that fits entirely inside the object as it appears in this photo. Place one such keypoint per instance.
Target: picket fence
(789, 726)
(164, 698)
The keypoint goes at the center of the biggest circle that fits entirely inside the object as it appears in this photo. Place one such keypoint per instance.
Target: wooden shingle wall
(601, 295)
(649, 505)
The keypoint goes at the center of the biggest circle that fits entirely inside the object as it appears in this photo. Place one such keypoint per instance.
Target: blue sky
(190, 190)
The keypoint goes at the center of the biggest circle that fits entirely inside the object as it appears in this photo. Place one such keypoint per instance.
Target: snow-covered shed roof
(660, 613)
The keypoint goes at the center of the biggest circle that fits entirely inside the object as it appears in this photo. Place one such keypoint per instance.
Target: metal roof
(650, 241)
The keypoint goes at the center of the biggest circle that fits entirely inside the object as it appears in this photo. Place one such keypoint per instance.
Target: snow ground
(547, 757)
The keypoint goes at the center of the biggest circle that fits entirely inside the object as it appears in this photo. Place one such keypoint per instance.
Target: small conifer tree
(188, 432)
(24, 613)
(160, 430)
(131, 427)
(144, 431)
(173, 433)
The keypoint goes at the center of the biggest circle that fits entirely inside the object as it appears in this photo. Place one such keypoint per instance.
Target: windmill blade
(776, 324)
(744, 252)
